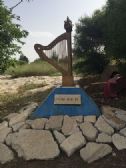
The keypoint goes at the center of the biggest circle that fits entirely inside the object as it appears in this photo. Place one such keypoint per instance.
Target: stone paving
(47, 138)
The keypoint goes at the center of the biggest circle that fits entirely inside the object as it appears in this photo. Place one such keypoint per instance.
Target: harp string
(59, 53)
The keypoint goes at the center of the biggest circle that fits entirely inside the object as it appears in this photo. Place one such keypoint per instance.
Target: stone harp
(67, 74)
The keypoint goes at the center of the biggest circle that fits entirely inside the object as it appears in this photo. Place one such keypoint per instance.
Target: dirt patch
(10, 85)
(74, 161)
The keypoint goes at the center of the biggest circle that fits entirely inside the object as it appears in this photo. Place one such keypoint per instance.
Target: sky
(44, 19)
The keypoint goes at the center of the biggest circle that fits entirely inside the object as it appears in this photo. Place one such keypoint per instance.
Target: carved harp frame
(67, 75)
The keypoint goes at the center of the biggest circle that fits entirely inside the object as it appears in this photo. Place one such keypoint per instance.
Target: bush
(23, 58)
(122, 68)
(93, 64)
(34, 69)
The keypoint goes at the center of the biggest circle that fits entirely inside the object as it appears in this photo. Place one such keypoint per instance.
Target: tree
(115, 32)
(89, 44)
(10, 36)
(115, 29)
(105, 29)
(23, 58)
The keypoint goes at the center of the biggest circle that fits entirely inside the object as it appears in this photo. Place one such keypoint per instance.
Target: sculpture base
(49, 108)
(68, 81)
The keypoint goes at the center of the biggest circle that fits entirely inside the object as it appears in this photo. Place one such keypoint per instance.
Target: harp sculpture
(67, 99)
(67, 75)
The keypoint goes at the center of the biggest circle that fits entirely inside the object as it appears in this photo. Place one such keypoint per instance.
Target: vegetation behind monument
(101, 38)
(98, 39)
(10, 37)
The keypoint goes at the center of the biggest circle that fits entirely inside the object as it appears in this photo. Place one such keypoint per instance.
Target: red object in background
(110, 89)
(114, 88)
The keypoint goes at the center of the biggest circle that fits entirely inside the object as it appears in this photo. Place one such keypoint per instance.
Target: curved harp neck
(67, 76)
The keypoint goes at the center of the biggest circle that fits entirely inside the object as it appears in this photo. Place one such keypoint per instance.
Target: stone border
(44, 138)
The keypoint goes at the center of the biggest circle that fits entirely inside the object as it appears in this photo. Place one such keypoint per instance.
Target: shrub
(34, 69)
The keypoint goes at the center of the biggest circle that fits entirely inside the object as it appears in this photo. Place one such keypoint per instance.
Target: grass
(11, 97)
(29, 86)
(40, 68)
(12, 103)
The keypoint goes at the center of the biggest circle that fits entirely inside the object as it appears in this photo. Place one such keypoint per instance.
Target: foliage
(93, 64)
(20, 62)
(89, 44)
(54, 56)
(33, 69)
(115, 30)
(10, 36)
(23, 58)
(105, 29)
(122, 68)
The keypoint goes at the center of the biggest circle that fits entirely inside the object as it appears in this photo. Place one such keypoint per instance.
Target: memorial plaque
(67, 99)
